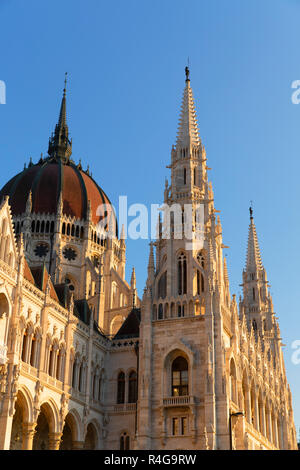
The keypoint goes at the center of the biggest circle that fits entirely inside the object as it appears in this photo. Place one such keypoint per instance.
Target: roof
(131, 326)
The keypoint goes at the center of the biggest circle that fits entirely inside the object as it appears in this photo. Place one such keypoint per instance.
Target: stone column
(54, 440)
(28, 432)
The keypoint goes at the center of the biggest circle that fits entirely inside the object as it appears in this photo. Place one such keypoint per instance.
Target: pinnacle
(253, 262)
(188, 128)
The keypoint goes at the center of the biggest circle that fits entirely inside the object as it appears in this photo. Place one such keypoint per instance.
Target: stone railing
(124, 407)
(178, 401)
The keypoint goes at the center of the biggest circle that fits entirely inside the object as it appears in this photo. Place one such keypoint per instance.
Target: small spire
(188, 132)
(60, 146)
(253, 261)
(151, 269)
(133, 287)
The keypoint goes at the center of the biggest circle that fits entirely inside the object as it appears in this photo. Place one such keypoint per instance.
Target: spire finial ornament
(187, 74)
(65, 87)
(60, 146)
(251, 210)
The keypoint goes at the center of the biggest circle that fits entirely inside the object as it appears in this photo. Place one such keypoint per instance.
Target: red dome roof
(46, 180)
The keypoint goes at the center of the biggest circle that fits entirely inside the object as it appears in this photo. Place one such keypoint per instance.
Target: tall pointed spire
(253, 262)
(60, 146)
(151, 268)
(188, 128)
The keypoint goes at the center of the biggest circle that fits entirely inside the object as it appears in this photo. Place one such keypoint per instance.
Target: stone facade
(84, 363)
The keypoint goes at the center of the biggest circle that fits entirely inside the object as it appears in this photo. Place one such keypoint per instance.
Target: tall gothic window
(124, 441)
(162, 286)
(181, 274)
(180, 372)
(132, 387)
(200, 283)
(121, 388)
(200, 259)
(184, 176)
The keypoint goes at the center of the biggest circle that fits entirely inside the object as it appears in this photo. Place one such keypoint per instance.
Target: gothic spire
(151, 268)
(253, 262)
(60, 146)
(188, 128)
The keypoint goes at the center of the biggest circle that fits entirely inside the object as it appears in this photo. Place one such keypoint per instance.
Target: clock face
(69, 254)
(41, 250)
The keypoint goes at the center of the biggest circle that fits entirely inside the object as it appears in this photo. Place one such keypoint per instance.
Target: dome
(47, 180)
(57, 179)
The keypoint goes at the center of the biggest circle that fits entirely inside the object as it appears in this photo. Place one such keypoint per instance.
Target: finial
(65, 87)
(187, 74)
(251, 210)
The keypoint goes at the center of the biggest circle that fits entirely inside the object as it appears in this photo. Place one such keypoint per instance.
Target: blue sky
(126, 62)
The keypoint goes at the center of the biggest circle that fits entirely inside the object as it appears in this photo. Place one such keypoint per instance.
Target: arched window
(24, 346)
(51, 360)
(59, 365)
(132, 387)
(80, 378)
(200, 283)
(233, 391)
(160, 312)
(180, 372)
(63, 230)
(201, 259)
(99, 388)
(33, 351)
(74, 374)
(184, 176)
(124, 441)
(162, 286)
(181, 274)
(121, 388)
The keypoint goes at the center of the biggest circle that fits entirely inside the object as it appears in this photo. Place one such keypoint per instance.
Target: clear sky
(125, 61)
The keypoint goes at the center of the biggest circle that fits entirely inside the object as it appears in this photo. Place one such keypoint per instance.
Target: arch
(71, 431)
(47, 423)
(51, 411)
(90, 441)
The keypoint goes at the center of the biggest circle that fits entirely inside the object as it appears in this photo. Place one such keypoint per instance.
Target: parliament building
(87, 364)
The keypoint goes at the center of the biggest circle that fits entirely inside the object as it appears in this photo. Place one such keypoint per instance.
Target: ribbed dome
(46, 180)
